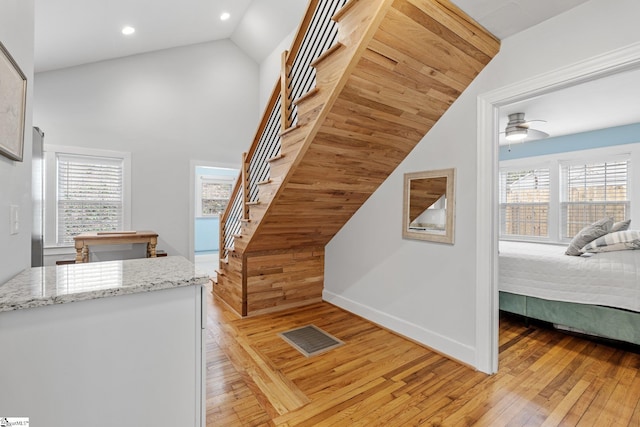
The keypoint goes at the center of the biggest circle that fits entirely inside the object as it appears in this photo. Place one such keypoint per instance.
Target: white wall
(257, 32)
(426, 290)
(270, 69)
(16, 33)
(166, 108)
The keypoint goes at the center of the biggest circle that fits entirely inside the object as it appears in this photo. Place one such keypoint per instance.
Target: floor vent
(310, 340)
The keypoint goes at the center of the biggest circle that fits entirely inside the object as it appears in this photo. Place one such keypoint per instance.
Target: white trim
(487, 239)
(613, 62)
(59, 250)
(453, 349)
(610, 152)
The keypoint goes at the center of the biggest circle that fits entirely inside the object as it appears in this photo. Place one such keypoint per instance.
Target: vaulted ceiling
(73, 32)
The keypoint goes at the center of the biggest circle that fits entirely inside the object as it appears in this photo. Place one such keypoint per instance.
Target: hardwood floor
(546, 378)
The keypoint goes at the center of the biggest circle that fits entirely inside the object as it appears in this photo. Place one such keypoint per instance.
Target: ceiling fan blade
(527, 123)
(536, 134)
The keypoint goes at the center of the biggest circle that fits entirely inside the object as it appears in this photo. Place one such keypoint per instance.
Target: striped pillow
(618, 241)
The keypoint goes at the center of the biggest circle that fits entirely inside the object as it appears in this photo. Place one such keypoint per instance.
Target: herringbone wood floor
(546, 378)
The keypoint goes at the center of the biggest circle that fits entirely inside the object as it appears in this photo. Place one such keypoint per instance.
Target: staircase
(385, 72)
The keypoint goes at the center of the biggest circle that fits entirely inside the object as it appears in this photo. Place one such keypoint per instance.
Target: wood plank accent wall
(284, 279)
(230, 286)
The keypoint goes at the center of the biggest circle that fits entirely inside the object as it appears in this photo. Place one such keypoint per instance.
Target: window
(524, 202)
(591, 192)
(214, 196)
(552, 197)
(86, 191)
(89, 195)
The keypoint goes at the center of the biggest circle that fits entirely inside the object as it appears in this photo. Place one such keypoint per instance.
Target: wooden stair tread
(257, 202)
(339, 14)
(289, 130)
(327, 53)
(274, 158)
(265, 182)
(313, 92)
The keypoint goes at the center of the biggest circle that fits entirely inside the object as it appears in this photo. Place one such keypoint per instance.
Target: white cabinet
(130, 360)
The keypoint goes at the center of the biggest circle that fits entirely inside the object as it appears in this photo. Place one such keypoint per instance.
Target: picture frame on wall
(13, 98)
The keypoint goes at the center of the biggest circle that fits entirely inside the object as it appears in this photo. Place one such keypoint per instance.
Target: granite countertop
(40, 286)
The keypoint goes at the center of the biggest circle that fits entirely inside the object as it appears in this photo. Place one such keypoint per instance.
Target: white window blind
(90, 195)
(524, 202)
(591, 192)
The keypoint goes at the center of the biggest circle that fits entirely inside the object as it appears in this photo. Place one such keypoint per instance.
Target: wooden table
(84, 240)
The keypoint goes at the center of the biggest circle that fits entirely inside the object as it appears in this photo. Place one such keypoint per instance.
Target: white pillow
(617, 241)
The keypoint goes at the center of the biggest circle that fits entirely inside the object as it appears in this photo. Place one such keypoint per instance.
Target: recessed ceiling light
(225, 16)
(127, 31)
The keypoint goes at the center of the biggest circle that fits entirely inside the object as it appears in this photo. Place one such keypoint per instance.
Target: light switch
(15, 219)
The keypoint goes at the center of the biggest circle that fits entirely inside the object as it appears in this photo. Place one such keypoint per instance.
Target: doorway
(487, 183)
(212, 187)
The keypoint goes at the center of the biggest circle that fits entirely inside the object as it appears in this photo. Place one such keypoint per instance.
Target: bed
(597, 294)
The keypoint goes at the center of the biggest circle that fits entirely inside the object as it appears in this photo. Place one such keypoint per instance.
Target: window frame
(216, 179)
(562, 184)
(554, 162)
(550, 211)
(51, 153)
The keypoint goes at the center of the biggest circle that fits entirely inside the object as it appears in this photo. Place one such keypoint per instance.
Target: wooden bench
(84, 240)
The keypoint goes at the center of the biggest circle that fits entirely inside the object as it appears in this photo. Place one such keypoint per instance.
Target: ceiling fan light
(517, 134)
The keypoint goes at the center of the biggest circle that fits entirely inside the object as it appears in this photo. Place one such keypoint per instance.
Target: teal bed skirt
(607, 322)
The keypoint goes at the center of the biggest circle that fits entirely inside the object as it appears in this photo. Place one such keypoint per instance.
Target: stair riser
(278, 169)
(266, 192)
(309, 111)
(353, 24)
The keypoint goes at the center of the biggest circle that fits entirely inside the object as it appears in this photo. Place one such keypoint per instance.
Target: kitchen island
(103, 344)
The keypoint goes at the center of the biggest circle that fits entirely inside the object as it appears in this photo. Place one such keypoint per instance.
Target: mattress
(543, 270)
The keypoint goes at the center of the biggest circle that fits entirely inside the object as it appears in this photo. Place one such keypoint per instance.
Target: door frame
(193, 165)
(487, 220)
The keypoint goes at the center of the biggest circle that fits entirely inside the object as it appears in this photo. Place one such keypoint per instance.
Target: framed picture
(13, 97)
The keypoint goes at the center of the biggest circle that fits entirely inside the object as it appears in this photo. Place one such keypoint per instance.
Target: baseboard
(448, 347)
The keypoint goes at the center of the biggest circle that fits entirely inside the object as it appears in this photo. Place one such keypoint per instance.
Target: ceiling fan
(518, 129)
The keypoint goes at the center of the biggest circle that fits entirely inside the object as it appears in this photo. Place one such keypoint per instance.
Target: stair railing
(316, 34)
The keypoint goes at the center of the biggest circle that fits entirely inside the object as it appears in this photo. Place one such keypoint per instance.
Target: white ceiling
(598, 104)
(73, 32)
(507, 17)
